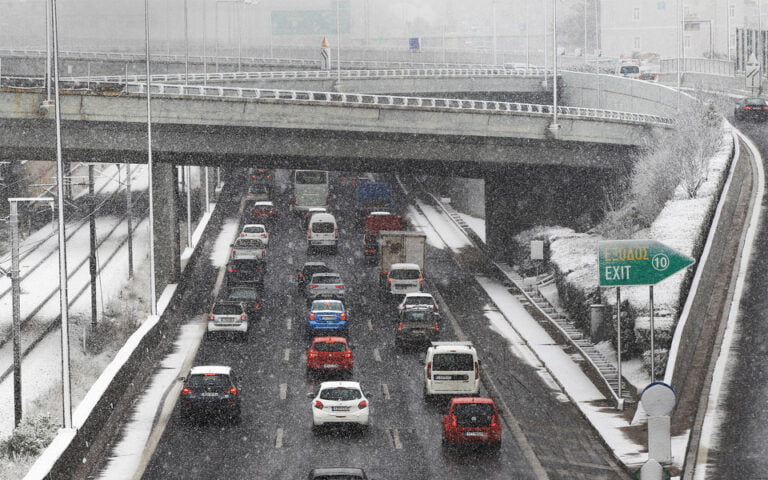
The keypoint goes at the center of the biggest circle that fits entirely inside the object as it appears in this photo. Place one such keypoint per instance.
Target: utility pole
(13, 221)
(92, 256)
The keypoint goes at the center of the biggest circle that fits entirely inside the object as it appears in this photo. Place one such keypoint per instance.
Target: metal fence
(726, 68)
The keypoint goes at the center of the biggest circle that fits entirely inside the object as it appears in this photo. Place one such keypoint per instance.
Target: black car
(304, 275)
(247, 295)
(210, 391)
(249, 272)
(337, 474)
(751, 108)
(417, 325)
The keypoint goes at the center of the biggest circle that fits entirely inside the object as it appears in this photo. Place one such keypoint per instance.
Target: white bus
(310, 189)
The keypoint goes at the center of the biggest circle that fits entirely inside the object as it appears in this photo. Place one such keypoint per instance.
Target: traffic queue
(451, 369)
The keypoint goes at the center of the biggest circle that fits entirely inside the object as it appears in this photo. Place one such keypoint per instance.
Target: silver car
(249, 249)
(326, 285)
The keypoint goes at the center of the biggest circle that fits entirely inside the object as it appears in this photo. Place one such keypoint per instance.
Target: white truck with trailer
(400, 248)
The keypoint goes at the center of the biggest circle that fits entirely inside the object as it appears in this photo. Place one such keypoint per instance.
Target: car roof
(263, 203)
(329, 340)
(325, 274)
(445, 347)
(322, 217)
(254, 225)
(340, 384)
(419, 294)
(404, 266)
(337, 471)
(472, 400)
(217, 369)
(327, 300)
(315, 264)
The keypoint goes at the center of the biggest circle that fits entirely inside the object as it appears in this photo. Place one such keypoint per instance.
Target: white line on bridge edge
(286, 354)
(376, 355)
(279, 438)
(283, 391)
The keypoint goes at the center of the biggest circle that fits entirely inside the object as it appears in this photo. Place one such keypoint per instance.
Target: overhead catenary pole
(63, 291)
(92, 246)
(152, 287)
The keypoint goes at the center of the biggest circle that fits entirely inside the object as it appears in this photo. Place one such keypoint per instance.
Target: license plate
(474, 434)
(330, 365)
(339, 409)
(209, 394)
(442, 377)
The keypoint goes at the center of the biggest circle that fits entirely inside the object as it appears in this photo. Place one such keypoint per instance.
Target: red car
(472, 421)
(263, 211)
(330, 354)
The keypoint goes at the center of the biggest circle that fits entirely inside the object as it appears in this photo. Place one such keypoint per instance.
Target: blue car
(326, 315)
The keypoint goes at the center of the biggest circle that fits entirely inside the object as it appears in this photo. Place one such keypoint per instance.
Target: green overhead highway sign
(637, 262)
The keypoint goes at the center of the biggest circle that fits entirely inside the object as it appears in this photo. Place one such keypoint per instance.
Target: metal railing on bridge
(397, 101)
(320, 75)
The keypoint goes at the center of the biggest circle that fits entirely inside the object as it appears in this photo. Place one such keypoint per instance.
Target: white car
(338, 403)
(418, 300)
(249, 249)
(255, 230)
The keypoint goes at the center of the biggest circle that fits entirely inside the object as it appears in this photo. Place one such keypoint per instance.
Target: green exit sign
(312, 22)
(638, 262)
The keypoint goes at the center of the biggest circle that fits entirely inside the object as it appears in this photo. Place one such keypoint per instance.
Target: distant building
(636, 27)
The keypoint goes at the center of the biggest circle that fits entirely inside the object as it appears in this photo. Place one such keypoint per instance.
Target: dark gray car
(417, 325)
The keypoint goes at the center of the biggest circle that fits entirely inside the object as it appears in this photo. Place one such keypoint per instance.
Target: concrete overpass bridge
(510, 145)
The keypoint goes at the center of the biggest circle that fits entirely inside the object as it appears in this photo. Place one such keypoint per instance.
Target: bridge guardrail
(397, 101)
(323, 75)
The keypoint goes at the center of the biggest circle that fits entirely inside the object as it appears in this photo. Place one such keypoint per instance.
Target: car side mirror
(231, 244)
(367, 394)
(182, 379)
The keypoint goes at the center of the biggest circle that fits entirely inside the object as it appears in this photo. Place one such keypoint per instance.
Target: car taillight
(318, 404)
(477, 370)
(747, 108)
(312, 354)
(453, 422)
(400, 326)
(232, 270)
(293, 199)
(234, 251)
(242, 234)
(313, 286)
(421, 279)
(187, 391)
(343, 317)
(348, 355)
(389, 280)
(263, 252)
(312, 317)
(232, 391)
(243, 317)
(437, 326)
(494, 420)
(256, 306)
(260, 270)
(429, 370)
(339, 286)
(264, 235)
(301, 275)
(211, 317)
(363, 404)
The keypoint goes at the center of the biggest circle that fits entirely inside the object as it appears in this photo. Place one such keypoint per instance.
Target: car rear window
(453, 362)
(330, 346)
(327, 306)
(311, 270)
(630, 69)
(243, 294)
(473, 414)
(340, 394)
(254, 229)
(209, 380)
(227, 309)
(323, 227)
(419, 301)
(330, 279)
(426, 316)
(407, 274)
(246, 265)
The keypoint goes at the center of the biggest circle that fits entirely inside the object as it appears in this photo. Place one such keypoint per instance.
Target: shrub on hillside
(31, 436)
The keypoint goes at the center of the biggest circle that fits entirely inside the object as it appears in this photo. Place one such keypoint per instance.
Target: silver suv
(325, 285)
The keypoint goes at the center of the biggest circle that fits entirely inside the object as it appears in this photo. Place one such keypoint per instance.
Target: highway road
(274, 439)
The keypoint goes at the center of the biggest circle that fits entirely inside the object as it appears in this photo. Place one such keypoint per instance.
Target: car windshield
(330, 346)
(249, 243)
(427, 316)
(323, 227)
(227, 309)
(406, 274)
(208, 380)
(328, 279)
(453, 362)
(473, 410)
(327, 306)
(243, 294)
(340, 394)
(630, 69)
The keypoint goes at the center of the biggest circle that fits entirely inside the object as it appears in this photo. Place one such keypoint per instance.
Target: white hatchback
(339, 403)
(255, 230)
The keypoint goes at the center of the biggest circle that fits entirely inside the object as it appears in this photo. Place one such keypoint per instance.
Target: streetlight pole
(527, 39)
(554, 125)
(129, 202)
(13, 221)
(48, 50)
(597, 48)
(240, 37)
(188, 172)
(63, 292)
(205, 60)
(495, 62)
(150, 166)
(186, 45)
(728, 28)
(92, 244)
(679, 36)
(585, 29)
(338, 43)
(544, 5)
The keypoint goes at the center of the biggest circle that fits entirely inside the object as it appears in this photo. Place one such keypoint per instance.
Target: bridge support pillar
(519, 198)
(166, 225)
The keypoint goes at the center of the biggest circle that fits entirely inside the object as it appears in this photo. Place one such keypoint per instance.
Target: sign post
(752, 73)
(637, 262)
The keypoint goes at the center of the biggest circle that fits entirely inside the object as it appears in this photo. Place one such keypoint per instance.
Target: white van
(404, 278)
(451, 368)
(322, 231)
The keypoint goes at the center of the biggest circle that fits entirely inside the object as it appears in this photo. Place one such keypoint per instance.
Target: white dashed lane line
(385, 391)
(279, 438)
(283, 391)
(287, 355)
(288, 323)
(376, 355)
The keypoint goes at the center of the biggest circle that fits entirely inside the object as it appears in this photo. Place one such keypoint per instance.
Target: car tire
(363, 429)
(427, 397)
(208, 336)
(316, 429)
